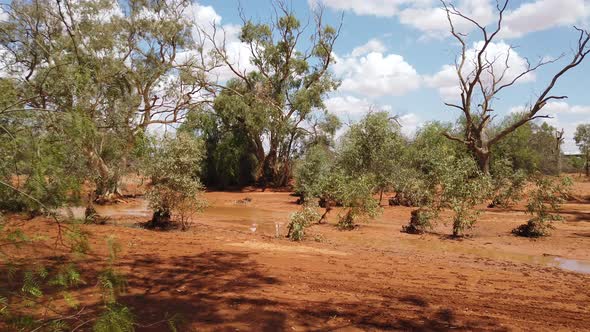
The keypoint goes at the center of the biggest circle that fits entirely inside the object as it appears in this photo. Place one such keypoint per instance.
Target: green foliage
(463, 187)
(276, 100)
(174, 168)
(300, 220)
(420, 221)
(312, 172)
(230, 158)
(582, 138)
(448, 177)
(508, 184)
(355, 194)
(32, 286)
(115, 318)
(373, 147)
(544, 202)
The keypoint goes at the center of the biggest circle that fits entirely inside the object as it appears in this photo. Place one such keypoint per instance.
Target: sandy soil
(223, 276)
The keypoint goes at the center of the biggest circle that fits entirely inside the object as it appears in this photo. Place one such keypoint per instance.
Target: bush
(420, 221)
(544, 200)
(508, 184)
(356, 196)
(174, 169)
(300, 220)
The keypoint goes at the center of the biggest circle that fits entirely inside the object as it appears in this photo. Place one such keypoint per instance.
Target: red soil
(222, 276)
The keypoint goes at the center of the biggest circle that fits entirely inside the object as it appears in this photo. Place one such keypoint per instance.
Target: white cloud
(351, 109)
(376, 75)
(433, 21)
(350, 106)
(410, 123)
(205, 18)
(565, 108)
(429, 17)
(373, 45)
(544, 14)
(447, 81)
(382, 8)
(3, 15)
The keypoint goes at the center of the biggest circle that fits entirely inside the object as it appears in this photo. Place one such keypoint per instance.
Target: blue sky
(391, 51)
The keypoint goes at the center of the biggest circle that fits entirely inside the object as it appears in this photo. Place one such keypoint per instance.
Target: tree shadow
(407, 313)
(576, 216)
(207, 289)
(228, 291)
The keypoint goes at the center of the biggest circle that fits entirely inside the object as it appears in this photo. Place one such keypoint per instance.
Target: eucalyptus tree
(482, 77)
(582, 138)
(101, 74)
(374, 146)
(274, 101)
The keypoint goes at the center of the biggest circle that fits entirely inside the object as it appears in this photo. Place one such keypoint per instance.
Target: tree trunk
(107, 184)
(483, 161)
(587, 164)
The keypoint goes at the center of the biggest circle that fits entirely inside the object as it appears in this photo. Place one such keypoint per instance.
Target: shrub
(420, 221)
(300, 220)
(508, 184)
(544, 201)
(356, 196)
(463, 189)
(174, 169)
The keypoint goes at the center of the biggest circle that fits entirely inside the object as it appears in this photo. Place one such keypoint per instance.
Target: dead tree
(558, 142)
(482, 84)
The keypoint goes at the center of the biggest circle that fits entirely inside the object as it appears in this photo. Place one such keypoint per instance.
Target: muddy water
(245, 217)
(263, 219)
(573, 265)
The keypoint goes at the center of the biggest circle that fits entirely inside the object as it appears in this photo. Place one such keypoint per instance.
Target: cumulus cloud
(428, 16)
(351, 109)
(376, 74)
(382, 8)
(350, 106)
(3, 15)
(544, 14)
(447, 82)
(433, 21)
(205, 18)
(410, 123)
(373, 45)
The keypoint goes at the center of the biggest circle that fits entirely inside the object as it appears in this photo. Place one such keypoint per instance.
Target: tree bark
(483, 161)
(107, 184)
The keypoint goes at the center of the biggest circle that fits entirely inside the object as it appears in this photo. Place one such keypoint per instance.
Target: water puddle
(229, 213)
(496, 254)
(571, 265)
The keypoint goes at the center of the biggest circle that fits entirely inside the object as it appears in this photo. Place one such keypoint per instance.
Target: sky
(395, 55)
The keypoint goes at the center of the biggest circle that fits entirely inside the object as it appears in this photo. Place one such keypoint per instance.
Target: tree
(104, 72)
(451, 179)
(582, 138)
(373, 147)
(483, 77)
(274, 101)
(174, 168)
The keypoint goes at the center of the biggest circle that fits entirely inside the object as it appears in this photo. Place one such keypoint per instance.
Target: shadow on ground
(228, 291)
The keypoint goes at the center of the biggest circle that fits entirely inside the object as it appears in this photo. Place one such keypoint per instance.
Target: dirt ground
(227, 274)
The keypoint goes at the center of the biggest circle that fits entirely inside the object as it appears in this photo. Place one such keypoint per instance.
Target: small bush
(544, 201)
(300, 220)
(420, 221)
(508, 185)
